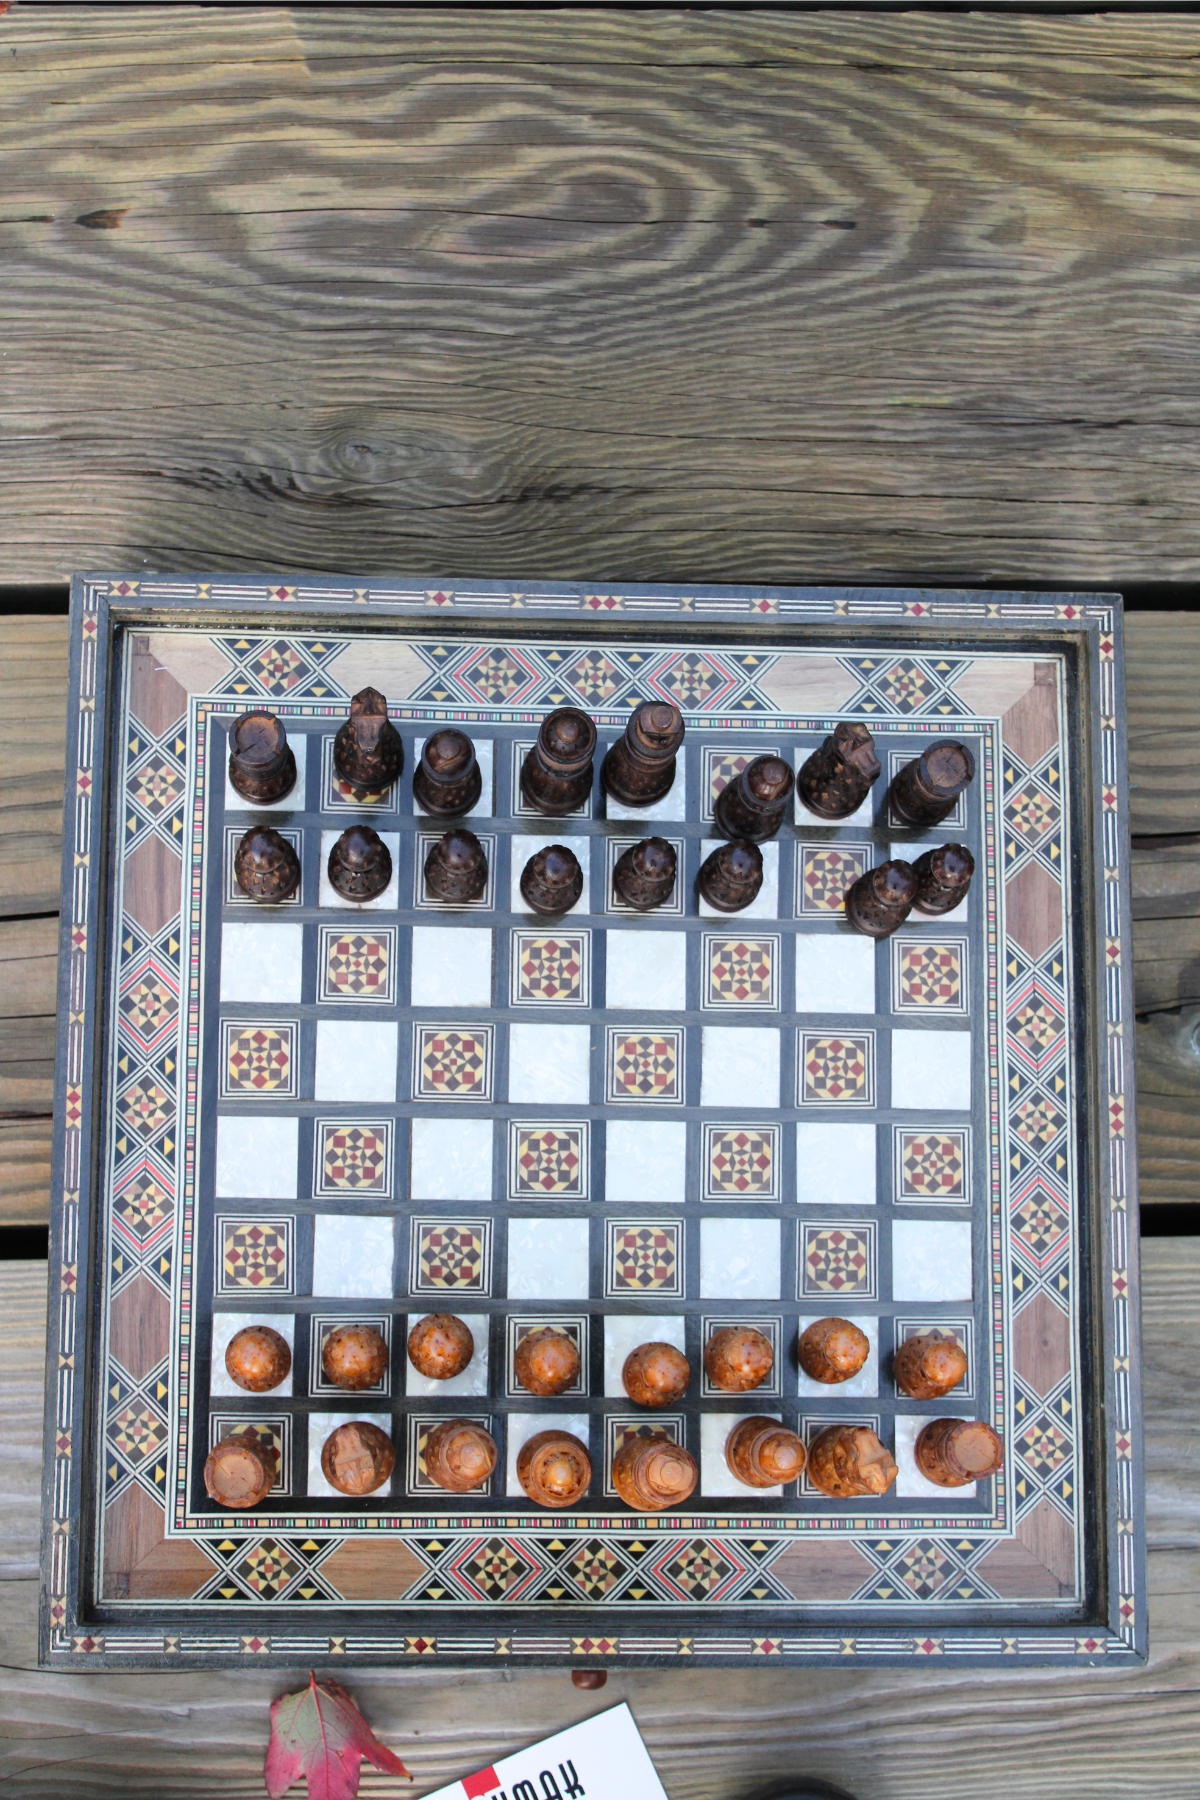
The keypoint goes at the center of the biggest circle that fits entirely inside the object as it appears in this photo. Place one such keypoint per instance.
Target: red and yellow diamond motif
(929, 975)
(549, 1160)
(358, 966)
(741, 1163)
(837, 1070)
(827, 875)
(259, 1059)
(645, 1065)
(451, 1256)
(255, 1254)
(551, 970)
(741, 972)
(354, 1157)
(933, 1165)
(645, 1257)
(453, 1064)
(837, 1260)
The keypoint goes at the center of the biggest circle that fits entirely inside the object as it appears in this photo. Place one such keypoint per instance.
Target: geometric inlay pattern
(742, 972)
(551, 971)
(258, 1059)
(931, 1164)
(1038, 1121)
(547, 1162)
(452, 1062)
(645, 1065)
(837, 1071)
(643, 1258)
(450, 1253)
(1040, 1221)
(255, 1254)
(699, 1570)
(929, 974)
(837, 1259)
(353, 1159)
(356, 965)
(741, 1162)
(826, 873)
(143, 1209)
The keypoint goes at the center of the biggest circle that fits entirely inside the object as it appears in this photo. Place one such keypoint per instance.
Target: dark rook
(926, 790)
(262, 767)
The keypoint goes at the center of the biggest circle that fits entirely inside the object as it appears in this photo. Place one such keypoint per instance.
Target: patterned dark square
(837, 1259)
(645, 1066)
(548, 1162)
(453, 1062)
(644, 1258)
(450, 1254)
(741, 1162)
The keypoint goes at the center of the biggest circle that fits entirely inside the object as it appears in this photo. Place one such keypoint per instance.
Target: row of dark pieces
(267, 869)
(638, 770)
(649, 1473)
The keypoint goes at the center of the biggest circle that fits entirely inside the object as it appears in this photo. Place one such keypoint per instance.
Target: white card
(602, 1759)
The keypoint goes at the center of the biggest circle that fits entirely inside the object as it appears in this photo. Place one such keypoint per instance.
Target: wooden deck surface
(695, 296)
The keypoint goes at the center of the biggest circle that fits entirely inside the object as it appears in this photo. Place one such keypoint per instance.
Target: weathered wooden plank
(673, 296)
(23, 1360)
(25, 1171)
(33, 734)
(1046, 1734)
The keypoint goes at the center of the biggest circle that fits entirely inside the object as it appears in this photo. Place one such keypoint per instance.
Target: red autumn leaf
(319, 1733)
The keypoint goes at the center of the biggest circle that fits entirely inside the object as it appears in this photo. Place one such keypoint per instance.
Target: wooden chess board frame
(1043, 1563)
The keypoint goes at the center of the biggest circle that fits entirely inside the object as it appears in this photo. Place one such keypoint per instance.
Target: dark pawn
(640, 767)
(881, 899)
(447, 780)
(556, 776)
(265, 865)
(753, 804)
(926, 790)
(552, 879)
(730, 878)
(262, 767)
(360, 864)
(837, 778)
(943, 877)
(645, 874)
(367, 751)
(456, 868)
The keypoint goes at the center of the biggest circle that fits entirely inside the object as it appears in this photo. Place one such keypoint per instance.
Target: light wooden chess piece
(460, 1455)
(651, 1473)
(357, 1458)
(832, 1350)
(763, 1453)
(554, 1468)
(848, 1461)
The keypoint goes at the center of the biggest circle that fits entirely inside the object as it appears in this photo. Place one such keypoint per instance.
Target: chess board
(631, 1126)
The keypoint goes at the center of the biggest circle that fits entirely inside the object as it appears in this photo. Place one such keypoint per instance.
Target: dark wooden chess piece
(847, 1461)
(440, 1346)
(447, 780)
(837, 778)
(240, 1470)
(459, 1455)
(360, 864)
(589, 1679)
(554, 1468)
(258, 1359)
(262, 767)
(265, 865)
(754, 803)
(367, 751)
(928, 1366)
(943, 877)
(925, 791)
(552, 879)
(456, 868)
(763, 1453)
(738, 1358)
(832, 1350)
(952, 1452)
(556, 775)
(881, 899)
(357, 1458)
(644, 876)
(640, 767)
(650, 1473)
(546, 1362)
(655, 1374)
(354, 1357)
(731, 877)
